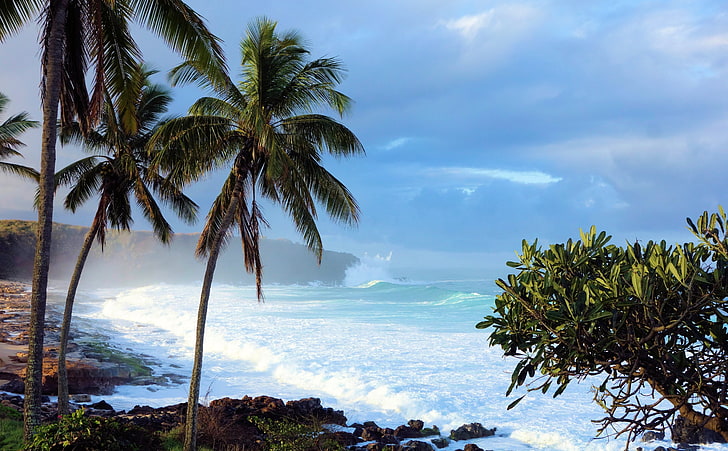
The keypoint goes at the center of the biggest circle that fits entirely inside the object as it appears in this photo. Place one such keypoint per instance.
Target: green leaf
(515, 403)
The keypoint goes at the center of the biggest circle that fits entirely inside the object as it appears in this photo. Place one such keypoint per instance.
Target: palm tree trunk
(67, 312)
(52, 68)
(194, 395)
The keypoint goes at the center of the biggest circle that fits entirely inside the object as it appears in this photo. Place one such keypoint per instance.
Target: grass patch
(103, 352)
(11, 429)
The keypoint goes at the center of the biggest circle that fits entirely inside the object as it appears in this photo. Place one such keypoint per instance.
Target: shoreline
(14, 317)
(94, 367)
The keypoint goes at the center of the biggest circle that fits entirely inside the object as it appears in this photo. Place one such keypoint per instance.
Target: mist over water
(379, 348)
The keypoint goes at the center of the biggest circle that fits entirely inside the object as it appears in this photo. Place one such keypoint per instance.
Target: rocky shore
(95, 369)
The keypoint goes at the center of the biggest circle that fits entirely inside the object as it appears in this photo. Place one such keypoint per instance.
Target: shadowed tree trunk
(194, 394)
(67, 313)
(51, 94)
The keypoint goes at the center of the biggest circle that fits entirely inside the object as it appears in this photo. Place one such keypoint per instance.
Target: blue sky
(486, 122)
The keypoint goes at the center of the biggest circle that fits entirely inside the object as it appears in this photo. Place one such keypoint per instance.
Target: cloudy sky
(486, 122)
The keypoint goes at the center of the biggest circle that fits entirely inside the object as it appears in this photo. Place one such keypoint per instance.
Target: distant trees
(10, 143)
(117, 171)
(649, 318)
(266, 130)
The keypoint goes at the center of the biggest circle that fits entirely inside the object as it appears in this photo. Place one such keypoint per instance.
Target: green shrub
(285, 435)
(80, 432)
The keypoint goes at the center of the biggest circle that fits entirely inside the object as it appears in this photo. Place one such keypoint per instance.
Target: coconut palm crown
(10, 131)
(268, 130)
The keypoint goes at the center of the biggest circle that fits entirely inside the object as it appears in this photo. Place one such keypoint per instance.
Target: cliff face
(137, 258)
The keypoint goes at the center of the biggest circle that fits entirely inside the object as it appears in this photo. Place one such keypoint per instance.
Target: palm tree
(10, 130)
(117, 171)
(77, 34)
(266, 130)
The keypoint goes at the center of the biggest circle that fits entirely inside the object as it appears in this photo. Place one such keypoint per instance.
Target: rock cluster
(229, 423)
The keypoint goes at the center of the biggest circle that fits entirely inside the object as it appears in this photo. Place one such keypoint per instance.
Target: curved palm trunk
(67, 312)
(194, 395)
(52, 88)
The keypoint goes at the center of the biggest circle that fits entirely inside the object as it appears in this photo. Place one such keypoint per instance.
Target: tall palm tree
(265, 129)
(10, 131)
(77, 34)
(117, 171)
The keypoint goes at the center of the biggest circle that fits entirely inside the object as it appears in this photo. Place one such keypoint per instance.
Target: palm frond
(15, 14)
(214, 219)
(17, 169)
(75, 170)
(182, 28)
(324, 133)
(86, 185)
(150, 209)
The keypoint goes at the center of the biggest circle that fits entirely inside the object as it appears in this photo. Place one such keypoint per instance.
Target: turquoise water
(387, 351)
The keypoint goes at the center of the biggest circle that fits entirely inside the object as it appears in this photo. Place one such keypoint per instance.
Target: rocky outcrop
(85, 375)
(470, 431)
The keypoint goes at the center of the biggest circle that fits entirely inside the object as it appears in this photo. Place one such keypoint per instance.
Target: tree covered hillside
(137, 258)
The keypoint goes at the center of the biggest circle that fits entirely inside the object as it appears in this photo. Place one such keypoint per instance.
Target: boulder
(469, 431)
(407, 432)
(440, 442)
(683, 432)
(472, 447)
(415, 445)
(416, 424)
(101, 405)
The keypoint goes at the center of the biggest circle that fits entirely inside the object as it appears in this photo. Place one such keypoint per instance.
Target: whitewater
(386, 351)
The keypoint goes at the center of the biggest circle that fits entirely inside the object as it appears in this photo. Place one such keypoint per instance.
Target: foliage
(287, 435)
(649, 318)
(10, 130)
(265, 129)
(11, 429)
(79, 431)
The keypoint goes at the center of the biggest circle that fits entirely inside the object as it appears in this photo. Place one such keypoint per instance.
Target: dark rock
(14, 386)
(650, 436)
(440, 442)
(312, 408)
(101, 405)
(683, 432)
(407, 432)
(416, 424)
(469, 431)
(374, 447)
(371, 434)
(345, 439)
(472, 447)
(415, 445)
(358, 429)
(660, 448)
(434, 430)
(388, 439)
(370, 424)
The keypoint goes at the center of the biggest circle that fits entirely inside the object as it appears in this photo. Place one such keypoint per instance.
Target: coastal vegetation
(77, 37)
(117, 172)
(646, 323)
(266, 130)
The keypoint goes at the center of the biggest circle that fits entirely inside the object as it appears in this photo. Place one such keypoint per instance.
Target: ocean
(381, 350)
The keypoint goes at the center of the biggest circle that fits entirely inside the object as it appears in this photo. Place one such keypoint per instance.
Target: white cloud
(504, 21)
(395, 143)
(480, 174)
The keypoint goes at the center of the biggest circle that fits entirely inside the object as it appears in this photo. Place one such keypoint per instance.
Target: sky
(484, 122)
